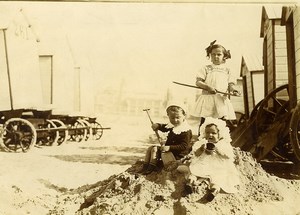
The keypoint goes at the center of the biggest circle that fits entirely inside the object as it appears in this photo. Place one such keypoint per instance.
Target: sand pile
(162, 193)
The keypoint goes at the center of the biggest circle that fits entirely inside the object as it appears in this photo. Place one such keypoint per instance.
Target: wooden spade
(166, 157)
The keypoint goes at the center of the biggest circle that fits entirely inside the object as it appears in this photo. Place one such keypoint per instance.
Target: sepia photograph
(149, 107)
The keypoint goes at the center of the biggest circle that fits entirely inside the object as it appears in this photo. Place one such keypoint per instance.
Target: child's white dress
(221, 171)
(214, 105)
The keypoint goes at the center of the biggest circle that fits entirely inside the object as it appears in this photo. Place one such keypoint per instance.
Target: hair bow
(212, 45)
(208, 49)
(227, 55)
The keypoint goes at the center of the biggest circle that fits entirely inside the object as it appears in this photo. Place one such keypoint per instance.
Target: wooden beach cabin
(21, 97)
(66, 77)
(39, 67)
(252, 74)
(20, 85)
(274, 48)
(38, 75)
(291, 20)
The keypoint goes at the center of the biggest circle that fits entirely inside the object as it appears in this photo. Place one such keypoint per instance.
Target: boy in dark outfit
(178, 140)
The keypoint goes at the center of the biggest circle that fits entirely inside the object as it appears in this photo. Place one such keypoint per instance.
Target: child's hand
(236, 92)
(165, 148)
(192, 179)
(200, 83)
(154, 126)
(211, 89)
(233, 90)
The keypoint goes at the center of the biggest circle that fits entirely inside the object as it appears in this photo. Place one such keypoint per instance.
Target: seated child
(178, 139)
(213, 159)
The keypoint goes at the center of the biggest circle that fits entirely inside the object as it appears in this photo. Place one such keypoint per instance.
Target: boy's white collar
(179, 129)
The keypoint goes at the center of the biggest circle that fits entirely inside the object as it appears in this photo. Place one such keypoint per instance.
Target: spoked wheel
(274, 140)
(295, 132)
(79, 131)
(18, 135)
(245, 135)
(241, 118)
(255, 110)
(97, 130)
(283, 150)
(271, 115)
(88, 129)
(62, 132)
(275, 104)
(50, 137)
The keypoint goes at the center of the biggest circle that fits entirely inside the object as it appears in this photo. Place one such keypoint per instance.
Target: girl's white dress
(215, 105)
(221, 171)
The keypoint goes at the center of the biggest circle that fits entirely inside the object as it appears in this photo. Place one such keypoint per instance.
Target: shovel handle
(156, 132)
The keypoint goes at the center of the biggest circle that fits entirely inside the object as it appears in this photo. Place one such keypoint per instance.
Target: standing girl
(213, 78)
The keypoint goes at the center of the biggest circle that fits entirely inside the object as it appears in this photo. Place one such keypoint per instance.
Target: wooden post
(7, 69)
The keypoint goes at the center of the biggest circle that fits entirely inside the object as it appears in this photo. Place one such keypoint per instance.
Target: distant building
(133, 104)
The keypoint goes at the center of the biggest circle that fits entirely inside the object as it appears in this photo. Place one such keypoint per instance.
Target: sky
(148, 45)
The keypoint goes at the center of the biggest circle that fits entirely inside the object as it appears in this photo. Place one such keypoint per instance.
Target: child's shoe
(188, 189)
(151, 168)
(212, 194)
(143, 168)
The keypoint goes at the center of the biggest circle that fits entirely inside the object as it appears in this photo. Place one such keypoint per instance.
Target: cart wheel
(88, 129)
(295, 131)
(274, 140)
(19, 134)
(284, 150)
(269, 115)
(79, 131)
(273, 106)
(97, 130)
(254, 111)
(51, 137)
(63, 133)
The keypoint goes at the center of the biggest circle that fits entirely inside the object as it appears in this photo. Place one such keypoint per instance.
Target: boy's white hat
(180, 104)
